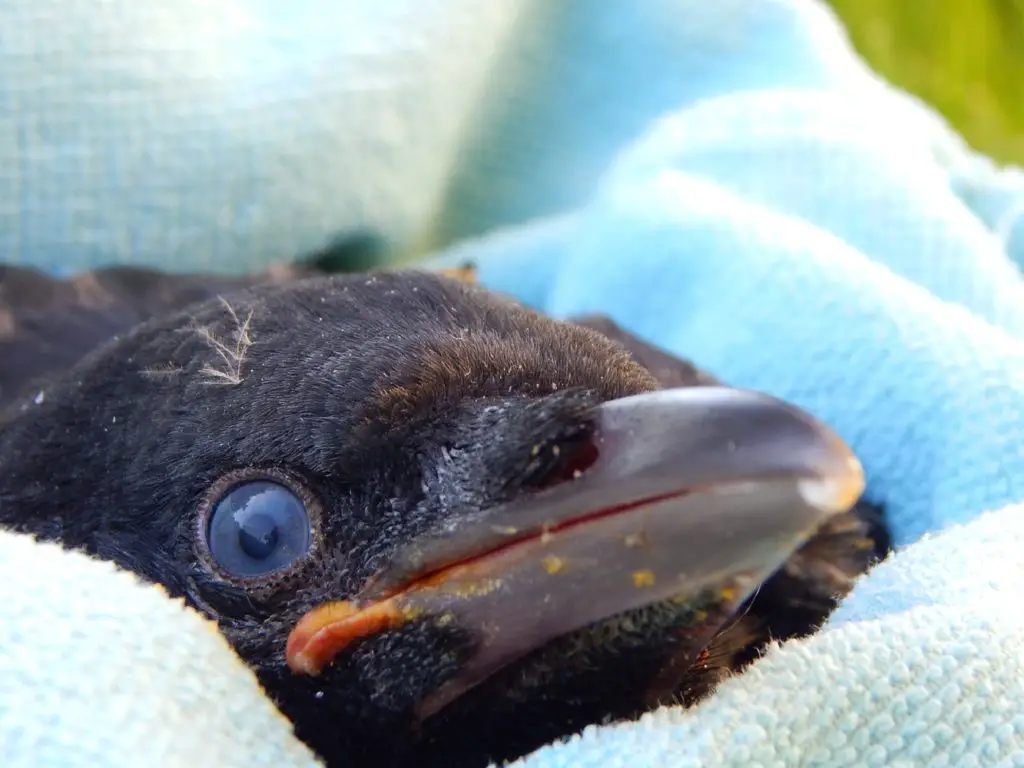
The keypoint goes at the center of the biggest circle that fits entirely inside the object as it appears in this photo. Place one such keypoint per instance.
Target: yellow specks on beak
(553, 564)
(410, 613)
(643, 579)
(469, 588)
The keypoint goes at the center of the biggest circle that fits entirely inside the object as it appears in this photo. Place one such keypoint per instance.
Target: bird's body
(367, 413)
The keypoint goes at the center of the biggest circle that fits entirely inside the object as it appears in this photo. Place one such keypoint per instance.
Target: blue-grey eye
(258, 527)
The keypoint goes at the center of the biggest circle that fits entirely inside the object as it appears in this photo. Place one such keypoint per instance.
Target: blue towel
(726, 179)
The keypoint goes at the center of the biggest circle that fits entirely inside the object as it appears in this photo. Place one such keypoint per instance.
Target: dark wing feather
(47, 324)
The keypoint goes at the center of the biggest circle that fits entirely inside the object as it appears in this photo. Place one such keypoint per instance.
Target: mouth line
(330, 628)
(438, 575)
(339, 624)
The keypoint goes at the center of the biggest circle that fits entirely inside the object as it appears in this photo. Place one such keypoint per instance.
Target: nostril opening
(561, 461)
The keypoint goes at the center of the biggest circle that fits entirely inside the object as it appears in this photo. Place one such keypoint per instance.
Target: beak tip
(836, 491)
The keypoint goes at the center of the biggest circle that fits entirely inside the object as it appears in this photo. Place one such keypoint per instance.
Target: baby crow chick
(442, 529)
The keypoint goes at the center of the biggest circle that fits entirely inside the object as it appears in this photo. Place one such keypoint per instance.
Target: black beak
(697, 495)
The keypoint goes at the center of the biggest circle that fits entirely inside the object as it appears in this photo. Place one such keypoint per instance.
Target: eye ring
(217, 493)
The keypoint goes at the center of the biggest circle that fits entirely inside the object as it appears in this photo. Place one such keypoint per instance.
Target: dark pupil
(258, 527)
(258, 536)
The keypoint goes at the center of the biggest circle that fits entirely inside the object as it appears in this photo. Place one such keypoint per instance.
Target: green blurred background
(965, 57)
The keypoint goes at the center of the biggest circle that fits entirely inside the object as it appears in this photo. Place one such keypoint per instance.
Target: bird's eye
(258, 527)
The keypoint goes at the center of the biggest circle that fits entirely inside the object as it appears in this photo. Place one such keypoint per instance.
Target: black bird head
(441, 528)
